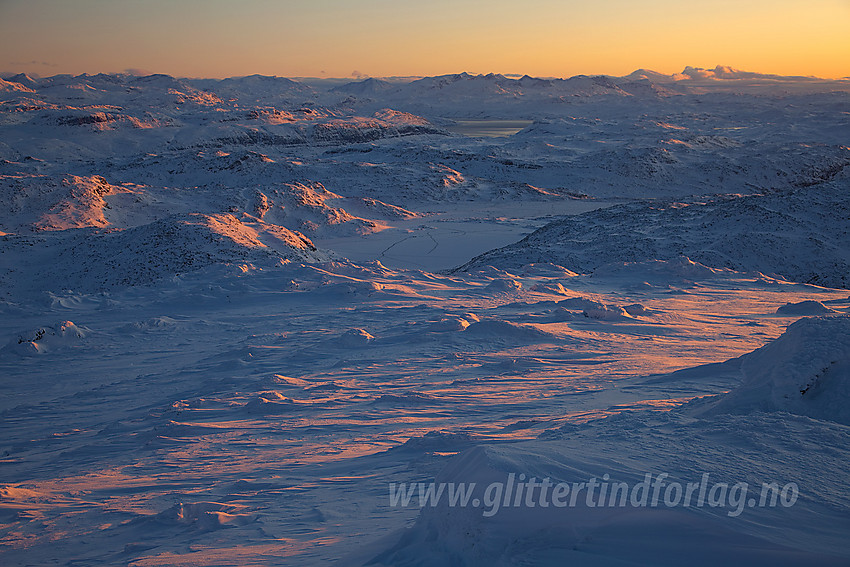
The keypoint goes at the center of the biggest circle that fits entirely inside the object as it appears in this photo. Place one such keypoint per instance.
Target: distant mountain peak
(365, 87)
(23, 79)
(648, 74)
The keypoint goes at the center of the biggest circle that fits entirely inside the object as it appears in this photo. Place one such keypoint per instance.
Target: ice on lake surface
(488, 128)
(243, 321)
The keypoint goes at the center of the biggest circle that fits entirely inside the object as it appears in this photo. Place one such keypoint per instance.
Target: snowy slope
(627, 450)
(538, 528)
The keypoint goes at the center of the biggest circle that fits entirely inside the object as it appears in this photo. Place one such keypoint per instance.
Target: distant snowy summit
(258, 88)
(719, 78)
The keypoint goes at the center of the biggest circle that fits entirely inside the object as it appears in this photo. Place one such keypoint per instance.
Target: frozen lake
(447, 237)
(488, 128)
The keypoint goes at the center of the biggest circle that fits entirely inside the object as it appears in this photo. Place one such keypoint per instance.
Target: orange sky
(340, 38)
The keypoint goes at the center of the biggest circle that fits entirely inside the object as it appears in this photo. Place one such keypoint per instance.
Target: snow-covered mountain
(497, 96)
(370, 87)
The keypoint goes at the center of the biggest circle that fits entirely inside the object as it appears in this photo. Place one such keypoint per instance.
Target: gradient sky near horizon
(352, 38)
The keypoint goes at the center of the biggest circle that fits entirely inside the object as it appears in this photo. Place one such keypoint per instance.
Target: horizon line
(688, 73)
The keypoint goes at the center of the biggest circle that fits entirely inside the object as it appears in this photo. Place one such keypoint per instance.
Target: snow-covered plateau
(458, 320)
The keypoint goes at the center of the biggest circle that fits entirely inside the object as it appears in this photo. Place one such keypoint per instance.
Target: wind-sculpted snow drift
(229, 319)
(806, 371)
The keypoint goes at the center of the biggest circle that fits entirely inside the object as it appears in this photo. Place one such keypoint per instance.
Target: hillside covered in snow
(801, 235)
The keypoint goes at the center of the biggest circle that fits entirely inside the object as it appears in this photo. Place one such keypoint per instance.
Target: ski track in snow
(233, 312)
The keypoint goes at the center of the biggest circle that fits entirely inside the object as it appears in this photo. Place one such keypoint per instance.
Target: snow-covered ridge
(90, 260)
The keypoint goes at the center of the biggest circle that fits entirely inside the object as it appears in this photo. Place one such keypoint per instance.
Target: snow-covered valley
(236, 315)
